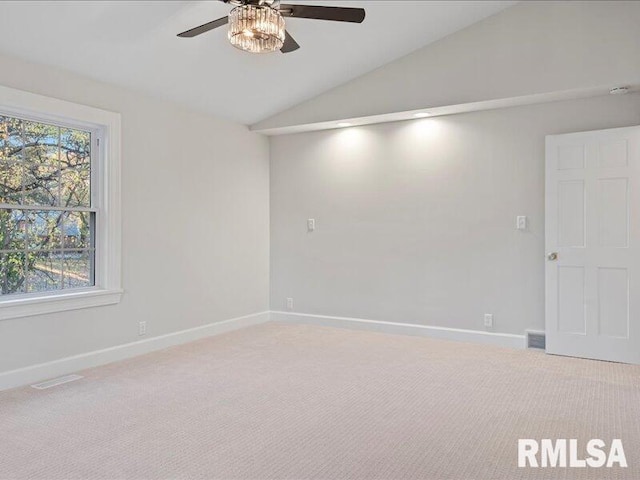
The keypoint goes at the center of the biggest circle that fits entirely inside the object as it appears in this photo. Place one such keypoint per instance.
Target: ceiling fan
(258, 26)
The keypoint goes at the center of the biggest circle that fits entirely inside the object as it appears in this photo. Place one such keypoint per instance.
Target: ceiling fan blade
(290, 44)
(337, 14)
(204, 28)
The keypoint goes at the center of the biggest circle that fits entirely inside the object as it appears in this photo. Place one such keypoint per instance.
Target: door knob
(553, 256)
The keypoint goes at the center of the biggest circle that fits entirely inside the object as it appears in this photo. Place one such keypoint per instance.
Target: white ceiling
(134, 44)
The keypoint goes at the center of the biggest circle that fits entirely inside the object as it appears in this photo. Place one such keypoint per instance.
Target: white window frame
(105, 128)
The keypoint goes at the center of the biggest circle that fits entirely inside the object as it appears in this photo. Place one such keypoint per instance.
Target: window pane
(41, 143)
(12, 273)
(77, 230)
(11, 182)
(10, 138)
(41, 183)
(44, 230)
(75, 187)
(75, 164)
(75, 148)
(43, 166)
(12, 229)
(44, 271)
(77, 269)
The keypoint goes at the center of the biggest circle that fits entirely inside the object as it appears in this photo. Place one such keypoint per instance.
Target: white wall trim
(457, 334)
(26, 305)
(434, 111)
(64, 366)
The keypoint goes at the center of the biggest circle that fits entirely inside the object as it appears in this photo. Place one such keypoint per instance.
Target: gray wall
(195, 198)
(416, 220)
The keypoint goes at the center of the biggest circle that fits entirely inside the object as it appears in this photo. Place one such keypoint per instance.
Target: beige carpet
(297, 401)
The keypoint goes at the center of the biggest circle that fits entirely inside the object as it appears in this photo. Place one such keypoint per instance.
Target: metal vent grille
(56, 381)
(536, 340)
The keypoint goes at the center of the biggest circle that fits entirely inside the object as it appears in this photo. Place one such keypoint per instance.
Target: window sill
(38, 305)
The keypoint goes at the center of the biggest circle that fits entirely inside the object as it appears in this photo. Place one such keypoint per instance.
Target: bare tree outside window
(46, 216)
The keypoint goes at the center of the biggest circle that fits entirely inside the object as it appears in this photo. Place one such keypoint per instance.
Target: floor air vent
(56, 381)
(535, 340)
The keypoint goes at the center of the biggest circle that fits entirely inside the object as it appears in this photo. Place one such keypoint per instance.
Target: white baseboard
(64, 366)
(474, 336)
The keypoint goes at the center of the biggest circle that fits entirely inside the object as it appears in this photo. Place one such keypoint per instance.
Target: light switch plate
(311, 224)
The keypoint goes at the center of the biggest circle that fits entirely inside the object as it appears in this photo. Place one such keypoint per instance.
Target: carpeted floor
(299, 401)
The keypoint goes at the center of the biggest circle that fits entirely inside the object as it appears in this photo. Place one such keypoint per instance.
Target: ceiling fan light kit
(258, 26)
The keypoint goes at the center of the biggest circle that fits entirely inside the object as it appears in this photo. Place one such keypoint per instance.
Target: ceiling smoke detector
(619, 90)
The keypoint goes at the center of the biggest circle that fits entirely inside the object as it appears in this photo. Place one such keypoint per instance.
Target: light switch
(311, 224)
(521, 223)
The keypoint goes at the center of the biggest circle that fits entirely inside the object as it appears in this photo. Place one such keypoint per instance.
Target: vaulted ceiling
(134, 44)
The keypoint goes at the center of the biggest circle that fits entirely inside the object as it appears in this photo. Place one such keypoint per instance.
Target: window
(47, 215)
(59, 205)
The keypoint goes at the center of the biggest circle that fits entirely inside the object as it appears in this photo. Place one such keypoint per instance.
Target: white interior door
(593, 244)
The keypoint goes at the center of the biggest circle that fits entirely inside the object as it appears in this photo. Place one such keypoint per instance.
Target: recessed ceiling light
(345, 124)
(421, 114)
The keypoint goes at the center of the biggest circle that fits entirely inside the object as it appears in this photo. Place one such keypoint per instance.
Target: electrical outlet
(142, 328)
(488, 320)
(289, 303)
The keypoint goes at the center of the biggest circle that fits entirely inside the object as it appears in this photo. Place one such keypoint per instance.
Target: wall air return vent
(535, 339)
